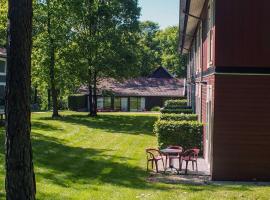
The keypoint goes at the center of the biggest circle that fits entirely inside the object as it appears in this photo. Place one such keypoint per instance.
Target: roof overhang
(190, 14)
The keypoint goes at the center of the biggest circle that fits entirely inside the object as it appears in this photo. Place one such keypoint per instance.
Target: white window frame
(199, 49)
(210, 37)
(1, 73)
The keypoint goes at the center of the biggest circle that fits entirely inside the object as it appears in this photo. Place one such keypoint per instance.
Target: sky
(164, 12)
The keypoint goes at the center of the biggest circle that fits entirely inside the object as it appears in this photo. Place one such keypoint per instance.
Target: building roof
(162, 87)
(190, 13)
(3, 52)
(161, 72)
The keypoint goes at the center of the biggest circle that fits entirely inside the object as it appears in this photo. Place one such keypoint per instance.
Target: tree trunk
(94, 113)
(90, 97)
(52, 66)
(49, 99)
(20, 177)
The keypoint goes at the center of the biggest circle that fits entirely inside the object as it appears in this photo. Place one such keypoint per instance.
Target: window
(210, 37)
(124, 104)
(117, 103)
(199, 49)
(137, 104)
(134, 104)
(2, 66)
(100, 103)
(107, 102)
(2, 97)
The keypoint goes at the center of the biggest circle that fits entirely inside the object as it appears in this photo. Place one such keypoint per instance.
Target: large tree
(149, 50)
(170, 58)
(51, 39)
(20, 179)
(104, 33)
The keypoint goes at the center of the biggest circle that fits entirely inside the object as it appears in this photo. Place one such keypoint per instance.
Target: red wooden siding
(242, 33)
(241, 138)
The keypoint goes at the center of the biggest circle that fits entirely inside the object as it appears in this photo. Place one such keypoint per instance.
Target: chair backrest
(192, 153)
(175, 147)
(152, 153)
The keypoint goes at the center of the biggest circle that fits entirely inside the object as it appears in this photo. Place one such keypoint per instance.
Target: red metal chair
(153, 156)
(190, 155)
(174, 157)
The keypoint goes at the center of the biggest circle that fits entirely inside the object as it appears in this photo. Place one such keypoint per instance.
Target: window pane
(2, 66)
(107, 102)
(117, 103)
(124, 104)
(134, 105)
(100, 103)
(2, 97)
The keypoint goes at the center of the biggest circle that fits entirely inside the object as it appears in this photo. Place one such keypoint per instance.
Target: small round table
(168, 153)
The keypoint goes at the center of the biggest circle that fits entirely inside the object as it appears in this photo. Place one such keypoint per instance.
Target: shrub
(176, 110)
(179, 117)
(77, 102)
(187, 134)
(176, 103)
(156, 109)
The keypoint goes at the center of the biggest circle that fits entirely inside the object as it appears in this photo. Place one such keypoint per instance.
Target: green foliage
(77, 102)
(170, 58)
(180, 103)
(179, 117)
(160, 48)
(3, 22)
(156, 109)
(187, 134)
(177, 110)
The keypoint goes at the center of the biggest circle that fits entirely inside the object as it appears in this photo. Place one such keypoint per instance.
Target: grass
(79, 158)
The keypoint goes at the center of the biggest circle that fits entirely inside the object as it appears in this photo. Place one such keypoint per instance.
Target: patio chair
(153, 156)
(190, 155)
(174, 157)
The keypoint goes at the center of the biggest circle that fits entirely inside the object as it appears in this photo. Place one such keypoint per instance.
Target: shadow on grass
(136, 124)
(65, 164)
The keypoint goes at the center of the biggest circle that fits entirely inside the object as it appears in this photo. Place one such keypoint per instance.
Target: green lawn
(81, 158)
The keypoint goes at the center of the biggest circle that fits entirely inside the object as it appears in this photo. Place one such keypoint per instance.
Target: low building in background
(134, 95)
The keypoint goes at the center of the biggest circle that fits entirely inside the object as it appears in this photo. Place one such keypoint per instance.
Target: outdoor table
(168, 153)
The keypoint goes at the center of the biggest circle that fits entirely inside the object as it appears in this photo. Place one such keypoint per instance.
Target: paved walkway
(200, 177)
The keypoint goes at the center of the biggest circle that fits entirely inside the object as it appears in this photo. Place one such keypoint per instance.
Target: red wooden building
(228, 44)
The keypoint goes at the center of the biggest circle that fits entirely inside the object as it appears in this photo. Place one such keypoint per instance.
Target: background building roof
(3, 52)
(162, 87)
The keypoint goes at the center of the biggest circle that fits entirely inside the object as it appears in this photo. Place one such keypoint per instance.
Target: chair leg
(156, 163)
(186, 167)
(196, 165)
(163, 164)
(147, 168)
(152, 164)
(180, 165)
(166, 161)
(192, 165)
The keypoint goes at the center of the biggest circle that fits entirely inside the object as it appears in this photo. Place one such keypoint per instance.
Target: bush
(176, 110)
(187, 134)
(77, 102)
(176, 103)
(179, 117)
(156, 109)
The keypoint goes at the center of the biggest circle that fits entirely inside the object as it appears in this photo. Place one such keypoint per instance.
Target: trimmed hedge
(176, 103)
(179, 117)
(187, 134)
(176, 110)
(77, 102)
